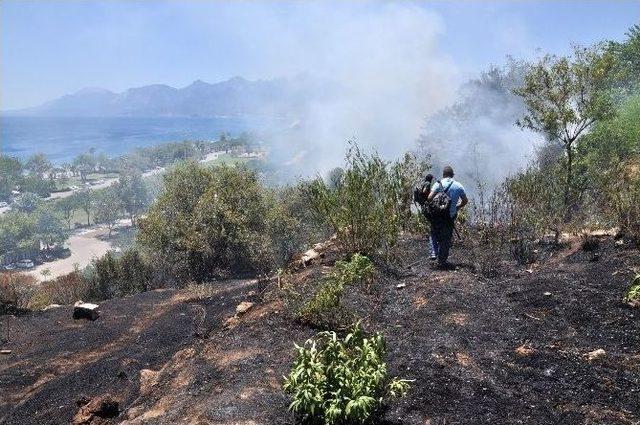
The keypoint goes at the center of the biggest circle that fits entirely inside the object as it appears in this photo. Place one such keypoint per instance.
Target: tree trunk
(568, 184)
(88, 219)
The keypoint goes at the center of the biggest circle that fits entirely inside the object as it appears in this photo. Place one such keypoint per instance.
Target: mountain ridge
(236, 96)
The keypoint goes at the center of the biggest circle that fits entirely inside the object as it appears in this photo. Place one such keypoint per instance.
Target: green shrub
(336, 380)
(633, 293)
(369, 204)
(209, 222)
(324, 310)
(111, 276)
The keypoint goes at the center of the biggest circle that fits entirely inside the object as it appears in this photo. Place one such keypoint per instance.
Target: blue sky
(51, 48)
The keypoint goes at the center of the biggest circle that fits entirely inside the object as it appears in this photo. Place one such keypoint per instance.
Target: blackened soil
(454, 333)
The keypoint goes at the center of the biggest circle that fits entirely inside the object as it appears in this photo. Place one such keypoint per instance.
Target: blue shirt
(455, 192)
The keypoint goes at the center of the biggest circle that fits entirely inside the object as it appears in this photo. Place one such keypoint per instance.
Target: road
(84, 245)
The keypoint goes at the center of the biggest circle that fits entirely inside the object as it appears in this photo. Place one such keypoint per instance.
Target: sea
(62, 138)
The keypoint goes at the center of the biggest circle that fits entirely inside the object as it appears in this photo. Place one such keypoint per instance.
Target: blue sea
(62, 139)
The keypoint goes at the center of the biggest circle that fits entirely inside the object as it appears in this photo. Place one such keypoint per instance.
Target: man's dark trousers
(443, 233)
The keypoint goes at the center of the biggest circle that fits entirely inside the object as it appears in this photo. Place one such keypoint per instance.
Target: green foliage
(358, 270)
(108, 206)
(336, 380)
(10, 176)
(85, 199)
(111, 276)
(367, 208)
(27, 202)
(132, 193)
(633, 293)
(67, 207)
(627, 54)
(324, 309)
(50, 228)
(564, 96)
(211, 221)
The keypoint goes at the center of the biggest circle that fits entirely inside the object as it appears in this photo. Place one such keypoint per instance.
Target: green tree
(38, 164)
(108, 207)
(133, 194)
(27, 202)
(627, 54)
(565, 96)
(84, 164)
(17, 233)
(85, 199)
(10, 176)
(50, 228)
(67, 207)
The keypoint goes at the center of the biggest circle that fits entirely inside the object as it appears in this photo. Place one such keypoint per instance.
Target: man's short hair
(447, 171)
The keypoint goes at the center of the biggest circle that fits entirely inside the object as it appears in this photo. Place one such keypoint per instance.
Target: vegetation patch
(324, 310)
(633, 294)
(335, 380)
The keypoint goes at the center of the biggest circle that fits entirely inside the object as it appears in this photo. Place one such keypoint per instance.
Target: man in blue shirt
(442, 229)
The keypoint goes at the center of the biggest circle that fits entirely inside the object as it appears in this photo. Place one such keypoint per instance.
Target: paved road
(84, 246)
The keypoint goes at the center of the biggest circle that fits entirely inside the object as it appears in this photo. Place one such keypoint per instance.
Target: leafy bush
(633, 294)
(367, 206)
(111, 276)
(209, 222)
(337, 380)
(324, 309)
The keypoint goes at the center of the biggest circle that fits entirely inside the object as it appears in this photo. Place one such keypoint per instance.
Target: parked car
(11, 266)
(25, 264)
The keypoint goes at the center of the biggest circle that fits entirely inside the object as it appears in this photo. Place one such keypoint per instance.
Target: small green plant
(633, 294)
(358, 270)
(337, 380)
(324, 309)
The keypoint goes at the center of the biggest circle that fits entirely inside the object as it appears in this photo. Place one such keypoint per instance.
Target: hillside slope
(503, 350)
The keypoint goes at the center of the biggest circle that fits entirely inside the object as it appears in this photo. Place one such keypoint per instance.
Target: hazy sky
(51, 48)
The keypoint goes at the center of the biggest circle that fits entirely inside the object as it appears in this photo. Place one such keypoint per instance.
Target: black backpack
(440, 205)
(419, 197)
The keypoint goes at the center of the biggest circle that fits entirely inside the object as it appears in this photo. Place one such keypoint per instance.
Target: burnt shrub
(16, 292)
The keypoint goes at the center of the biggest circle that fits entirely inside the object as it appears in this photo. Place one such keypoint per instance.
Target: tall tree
(50, 228)
(10, 175)
(133, 194)
(565, 96)
(85, 199)
(107, 207)
(67, 206)
(84, 164)
(39, 165)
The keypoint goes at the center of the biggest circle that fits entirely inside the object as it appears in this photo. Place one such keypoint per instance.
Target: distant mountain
(234, 97)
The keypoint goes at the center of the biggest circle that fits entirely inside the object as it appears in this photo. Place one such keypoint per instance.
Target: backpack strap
(442, 186)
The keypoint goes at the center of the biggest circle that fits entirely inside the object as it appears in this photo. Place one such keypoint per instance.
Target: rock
(52, 306)
(243, 307)
(104, 407)
(595, 355)
(547, 294)
(524, 351)
(620, 242)
(148, 379)
(400, 285)
(82, 310)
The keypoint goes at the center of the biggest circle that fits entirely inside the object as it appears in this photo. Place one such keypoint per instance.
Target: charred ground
(509, 349)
